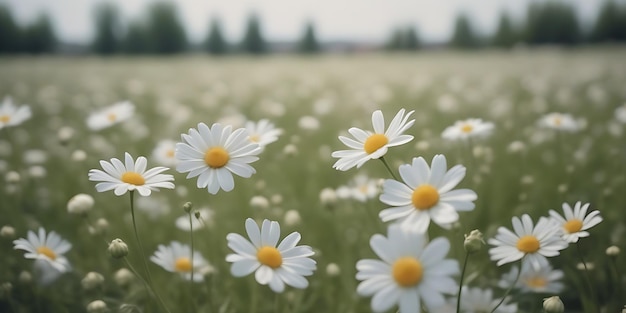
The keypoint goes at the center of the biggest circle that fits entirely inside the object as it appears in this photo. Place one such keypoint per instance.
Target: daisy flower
(110, 115)
(10, 115)
(544, 279)
(273, 265)
(129, 176)
(214, 154)
(476, 300)
(262, 132)
(368, 146)
(164, 153)
(426, 194)
(48, 247)
(533, 243)
(466, 129)
(574, 223)
(176, 258)
(559, 121)
(410, 272)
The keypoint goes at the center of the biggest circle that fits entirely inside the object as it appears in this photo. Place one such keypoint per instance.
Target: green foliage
(403, 39)
(39, 37)
(464, 36)
(167, 34)
(308, 43)
(215, 42)
(253, 41)
(505, 36)
(9, 32)
(137, 39)
(610, 24)
(107, 22)
(552, 22)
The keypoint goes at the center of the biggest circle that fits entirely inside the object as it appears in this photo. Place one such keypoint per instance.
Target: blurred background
(304, 26)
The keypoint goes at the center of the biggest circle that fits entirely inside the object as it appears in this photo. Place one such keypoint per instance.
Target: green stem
(519, 273)
(458, 302)
(588, 279)
(192, 269)
(618, 281)
(388, 168)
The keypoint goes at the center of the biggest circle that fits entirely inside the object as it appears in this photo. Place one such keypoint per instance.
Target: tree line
(160, 31)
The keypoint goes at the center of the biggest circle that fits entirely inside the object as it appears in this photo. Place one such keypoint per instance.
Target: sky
(283, 20)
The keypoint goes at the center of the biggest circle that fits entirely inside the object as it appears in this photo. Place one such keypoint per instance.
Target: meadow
(520, 167)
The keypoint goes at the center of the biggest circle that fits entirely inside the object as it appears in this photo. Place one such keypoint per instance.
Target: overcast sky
(364, 20)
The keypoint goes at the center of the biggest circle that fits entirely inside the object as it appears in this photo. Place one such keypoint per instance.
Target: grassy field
(520, 168)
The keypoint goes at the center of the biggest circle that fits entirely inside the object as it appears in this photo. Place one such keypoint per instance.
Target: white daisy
(559, 121)
(110, 115)
(206, 217)
(575, 223)
(411, 272)
(10, 115)
(544, 279)
(262, 132)
(466, 129)
(176, 258)
(533, 243)
(273, 265)
(360, 188)
(426, 194)
(129, 176)
(48, 247)
(620, 113)
(367, 145)
(165, 153)
(214, 154)
(477, 300)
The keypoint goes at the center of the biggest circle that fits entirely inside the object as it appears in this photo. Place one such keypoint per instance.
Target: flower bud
(332, 269)
(553, 305)
(92, 280)
(187, 207)
(474, 241)
(118, 248)
(7, 232)
(612, 251)
(292, 218)
(97, 306)
(25, 277)
(123, 277)
(80, 204)
(328, 196)
(259, 202)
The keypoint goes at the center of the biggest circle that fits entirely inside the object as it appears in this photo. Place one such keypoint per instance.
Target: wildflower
(411, 271)
(92, 280)
(259, 202)
(273, 265)
(534, 243)
(328, 196)
(97, 306)
(123, 277)
(474, 241)
(292, 218)
(80, 204)
(368, 146)
(553, 305)
(111, 115)
(129, 176)
(10, 115)
(476, 300)
(7, 232)
(214, 154)
(309, 123)
(176, 258)
(559, 121)
(544, 279)
(48, 247)
(118, 248)
(611, 251)
(466, 129)
(360, 188)
(165, 153)
(262, 132)
(426, 194)
(575, 223)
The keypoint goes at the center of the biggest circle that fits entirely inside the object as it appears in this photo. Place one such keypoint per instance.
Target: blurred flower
(10, 115)
(553, 305)
(612, 251)
(533, 243)
(164, 153)
(368, 145)
(620, 113)
(97, 306)
(559, 121)
(129, 176)
(7, 232)
(46, 247)
(360, 188)
(426, 194)
(35, 156)
(476, 300)
(516, 147)
(328, 196)
(259, 202)
(290, 149)
(292, 218)
(466, 129)
(78, 155)
(80, 204)
(111, 115)
(309, 123)
(411, 272)
(123, 277)
(332, 269)
(273, 265)
(215, 154)
(65, 134)
(262, 132)
(12, 177)
(543, 279)
(92, 280)
(176, 258)
(574, 223)
(206, 217)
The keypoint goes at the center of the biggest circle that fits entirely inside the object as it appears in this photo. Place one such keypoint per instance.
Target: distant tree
(308, 43)
(39, 37)
(107, 39)
(215, 42)
(410, 40)
(610, 24)
(167, 34)
(464, 36)
(395, 40)
(253, 41)
(9, 32)
(552, 22)
(505, 36)
(137, 39)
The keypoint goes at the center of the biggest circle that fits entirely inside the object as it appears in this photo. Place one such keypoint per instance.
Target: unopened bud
(187, 207)
(332, 269)
(25, 277)
(612, 251)
(553, 305)
(474, 241)
(80, 204)
(123, 277)
(97, 306)
(7, 232)
(197, 215)
(92, 280)
(118, 248)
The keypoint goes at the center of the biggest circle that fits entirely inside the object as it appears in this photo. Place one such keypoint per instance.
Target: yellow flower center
(254, 138)
(528, 244)
(536, 282)
(216, 157)
(111, 117)
(407, 271)
(557, 120)
(133, 178)
(375, 142)
(269, 256)
(47, 252)
(467, 128)
(183, 264)
(425, 197)
(5, 118)
(573, 226)
(169, 153)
